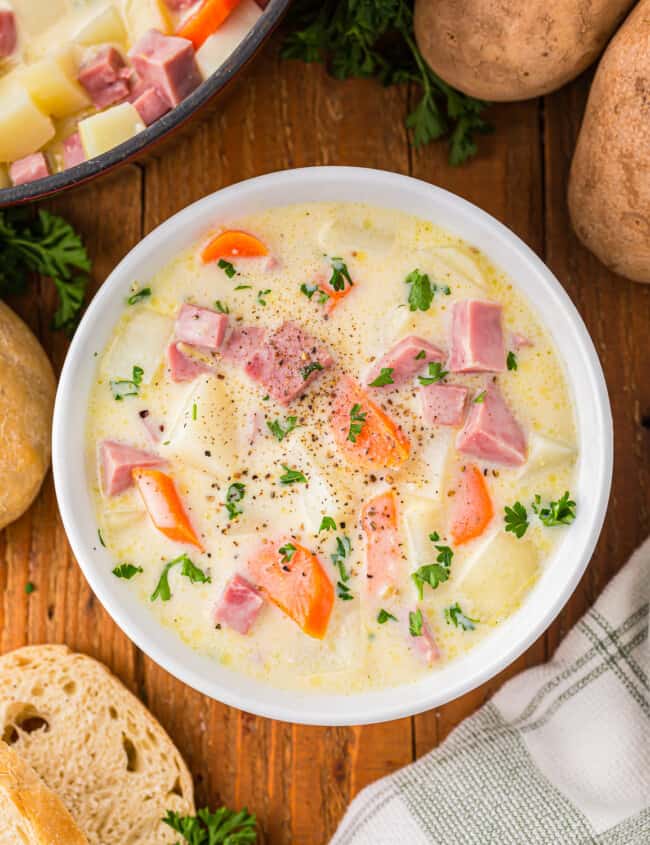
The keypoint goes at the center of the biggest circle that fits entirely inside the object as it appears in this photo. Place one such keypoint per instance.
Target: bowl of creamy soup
(332, 445)
(88, 84)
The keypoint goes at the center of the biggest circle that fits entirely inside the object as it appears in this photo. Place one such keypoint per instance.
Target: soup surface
(330, 446)
(78, 77)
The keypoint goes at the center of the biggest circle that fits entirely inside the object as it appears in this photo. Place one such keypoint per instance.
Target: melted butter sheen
(489, 576)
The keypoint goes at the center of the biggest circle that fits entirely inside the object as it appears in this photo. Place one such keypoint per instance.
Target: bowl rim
(161, 128)
(371, 706)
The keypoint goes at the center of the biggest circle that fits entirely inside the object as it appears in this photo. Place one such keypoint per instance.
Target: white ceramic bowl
(549, 300)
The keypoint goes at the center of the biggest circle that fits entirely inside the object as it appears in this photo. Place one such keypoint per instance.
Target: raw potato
(609, 184)
(506, 50)
(26, 399)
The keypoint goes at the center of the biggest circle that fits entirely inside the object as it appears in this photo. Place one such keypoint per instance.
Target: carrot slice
(377, 441)
(164, 506)
(206, 20)
(383, 558)
(297, 583)
(334, 296)
(471, 506)
(233, 244)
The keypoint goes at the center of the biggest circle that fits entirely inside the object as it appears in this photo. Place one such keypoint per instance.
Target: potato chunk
(103, 26)
(52, 84)
(143, 15)
(101, 132)
(23, 126)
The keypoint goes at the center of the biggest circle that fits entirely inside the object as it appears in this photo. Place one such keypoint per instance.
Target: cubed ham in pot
(288, 361)
(118, 460)
(406, 359)
(28, 169)
(477, 344)
(105, 77)
(167, 63)
(8, 33)
(150, 104)
(181, 366)
(242, 345)
(239, 605)
(444, 404)
(491, 432)
(202, 327)
(73, 151)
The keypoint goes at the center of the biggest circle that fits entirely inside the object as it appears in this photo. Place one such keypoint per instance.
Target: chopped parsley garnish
(138, 296)
(29, 588)
(244, 287)
(224, 827)
(312, 367)
(437, 573)
(221, 308)
(122, 387)
(101, 538)
(455, 616)
(261, 294)
(343, 591)
(188, 570)
(480, 397)
(234, 495)
(343, 550)
(415, 623)
(280, 430)
(516, 519)
(383, 616)
(292, 476)
(310, 290)
(357, 422)
(511, 361)
(421, 354)
(126, 570)
(385, 377)
(327, 524)
(560, 512)
(227, 267)
(287, 552)
(420, 292)
(340, 274)
(194, 411)
(436, 373)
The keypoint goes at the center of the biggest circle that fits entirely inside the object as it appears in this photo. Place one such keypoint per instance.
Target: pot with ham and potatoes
(331, 446)
(79, 77)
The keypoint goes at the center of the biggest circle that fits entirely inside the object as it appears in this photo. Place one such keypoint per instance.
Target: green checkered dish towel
(561, 755)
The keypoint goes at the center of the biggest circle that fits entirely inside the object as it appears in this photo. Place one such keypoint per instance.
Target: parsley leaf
(385, 377)
(343, 550)
(221, 308)
(340, 274)
(126, 570)
(560, 512)
(421, 354)
(421, 292)
(516, 519)
(437, 573)
(415, 623)
(455, 616)
(234, 495)
(48, 245)
(101, 538)
(343, 591)
(480, 397)
(287, 552)
(327, 524)
(189, 570)
(261, 294)
(511, 361)
(312, 367)
(310, 290)
(292, 476)
(373, 39)
(436, 373)
(280, 430)
(138, 296)
(122, 387)
(383, 616)
(227, 267)
(223, 827)
(358, 420)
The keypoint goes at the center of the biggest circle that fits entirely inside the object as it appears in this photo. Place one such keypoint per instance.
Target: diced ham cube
(239, 605)
(243, 344)
(150, 104)
(118, 460)
(8, 34)
(105, 77)
(406, 359)
(384, 562)
(476, 338)
(444, 404)
(28, 169)
(73, 151)
(288, 361)
(167, 63)
(425, 646)
(181, 366)
(202, 327)
(491, 433)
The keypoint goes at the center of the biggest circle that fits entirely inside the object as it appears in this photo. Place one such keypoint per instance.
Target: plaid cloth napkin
(561, 754)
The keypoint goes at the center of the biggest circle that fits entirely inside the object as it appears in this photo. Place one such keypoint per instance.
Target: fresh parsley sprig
(234, 496)
(385, 377)
(516, 519)
(436, 573)
(455, 616)
(223, 827)
(292, 476)
(189, 570)
(126, 570)
(357, 422)
(281, 429)
(436, 373)
(560, 512)
(416, 623)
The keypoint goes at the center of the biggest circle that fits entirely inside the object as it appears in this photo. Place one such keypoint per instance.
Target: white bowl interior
(546, 296)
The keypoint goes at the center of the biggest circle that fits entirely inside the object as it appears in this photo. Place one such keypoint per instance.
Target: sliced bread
(94, 744)
(30, 813)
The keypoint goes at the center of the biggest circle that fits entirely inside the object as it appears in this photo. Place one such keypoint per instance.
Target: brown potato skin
(609, 182)
(503, 50)
(27, 388)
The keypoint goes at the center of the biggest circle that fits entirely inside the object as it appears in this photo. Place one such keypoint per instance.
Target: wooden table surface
(300, 779)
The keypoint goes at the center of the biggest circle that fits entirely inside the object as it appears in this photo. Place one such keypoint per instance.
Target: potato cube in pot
(143, 15)
(101, 132)
(103, 26)
(215, 50)
(52, 84)
(23, 126)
